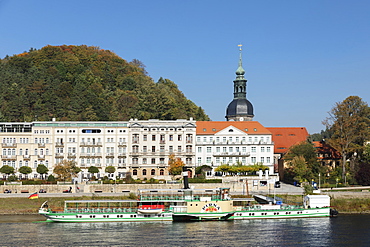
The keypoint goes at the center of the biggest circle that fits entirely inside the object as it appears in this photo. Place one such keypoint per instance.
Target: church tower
(240, 109)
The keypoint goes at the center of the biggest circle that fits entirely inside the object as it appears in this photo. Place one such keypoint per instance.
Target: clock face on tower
(241, 119)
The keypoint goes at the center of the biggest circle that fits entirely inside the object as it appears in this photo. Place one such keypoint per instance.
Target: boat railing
(177, 198)
(101, 210)
(258, 207)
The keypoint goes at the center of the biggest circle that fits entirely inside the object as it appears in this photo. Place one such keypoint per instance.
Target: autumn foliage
(175, 165)
(86, 83)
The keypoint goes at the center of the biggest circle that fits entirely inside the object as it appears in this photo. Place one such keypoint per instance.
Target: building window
(145, 137)
(268, 149)
(253, 160)
(144, 172)
(171, 137)
(152, 172)
(208, 160)
(144, 160)
(170, 149)
(268, 160)
(199, 149)
(153, 149)
(253, 149)
(199, 160)
(153, 137)
(134, 172)
(161, 172)
(161, 161)
(263, 159)
(262, 149)
(209, 149)
(152, 161)
(179, 137)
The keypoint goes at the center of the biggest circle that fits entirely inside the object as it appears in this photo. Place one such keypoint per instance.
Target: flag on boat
(34, 196)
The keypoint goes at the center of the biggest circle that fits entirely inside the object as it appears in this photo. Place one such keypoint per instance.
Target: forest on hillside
(86, 83)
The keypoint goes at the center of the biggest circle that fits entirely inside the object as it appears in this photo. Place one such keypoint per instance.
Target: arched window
(161, 172)
(152, 172)
(144, 172)
(134, 172)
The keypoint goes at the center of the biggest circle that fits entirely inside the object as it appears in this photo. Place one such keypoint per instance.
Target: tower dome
(240, 109)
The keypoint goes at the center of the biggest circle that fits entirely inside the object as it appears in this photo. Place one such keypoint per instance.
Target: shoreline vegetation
(23, 206)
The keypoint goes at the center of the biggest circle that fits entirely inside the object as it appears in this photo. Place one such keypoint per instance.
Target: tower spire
(240, 109)
(240, 71)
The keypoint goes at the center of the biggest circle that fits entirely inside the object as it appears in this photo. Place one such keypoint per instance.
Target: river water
(345, 230)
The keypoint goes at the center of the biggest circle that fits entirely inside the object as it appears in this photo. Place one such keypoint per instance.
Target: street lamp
(319, 180)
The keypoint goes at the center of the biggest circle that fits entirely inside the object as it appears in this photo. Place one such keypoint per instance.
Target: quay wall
(239, 188)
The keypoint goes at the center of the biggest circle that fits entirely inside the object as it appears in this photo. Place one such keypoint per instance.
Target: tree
(25, 170)
(66, 170)
(363, 174)
(302, 162)
(42, 169)
(240, 169)
(7, 170)
(349, 123)
(93, 170)
(110, 169)
(175, 165)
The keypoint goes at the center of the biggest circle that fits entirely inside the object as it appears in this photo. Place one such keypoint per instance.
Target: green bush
(51, 178)
(200, 180)
(32, 182)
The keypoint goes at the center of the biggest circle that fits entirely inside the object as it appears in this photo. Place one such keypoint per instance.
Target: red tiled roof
(212, 127)
(284, 138)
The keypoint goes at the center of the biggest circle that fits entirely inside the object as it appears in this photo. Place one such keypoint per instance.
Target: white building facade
(138, 148)
(231, 142)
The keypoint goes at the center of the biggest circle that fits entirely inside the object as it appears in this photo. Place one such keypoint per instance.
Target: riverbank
(22, 205)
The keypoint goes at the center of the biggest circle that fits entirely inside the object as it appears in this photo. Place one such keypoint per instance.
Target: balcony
(9, 157)
(41, 145)
(9, 145)
(71, 155)
(59, 144)
(90, 155)
(59, 155)
(162, 142)
(135, 141)
(41, 157)
(189, 141)
(91, 144)
(120, 155)
(122, 144)
(109, 155)
(26, 157)
(231, 154)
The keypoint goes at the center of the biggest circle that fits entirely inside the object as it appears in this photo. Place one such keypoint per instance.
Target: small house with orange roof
(327, 155)
(232, 142)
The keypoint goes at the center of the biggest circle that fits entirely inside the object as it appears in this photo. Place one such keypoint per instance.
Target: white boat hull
(281, 214)
(105, 217)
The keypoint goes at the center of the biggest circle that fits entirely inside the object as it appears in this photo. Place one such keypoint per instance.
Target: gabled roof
(326, 150)
(248, 127)
(285, 137)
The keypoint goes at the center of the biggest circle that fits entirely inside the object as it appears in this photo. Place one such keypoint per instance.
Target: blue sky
(300, 57)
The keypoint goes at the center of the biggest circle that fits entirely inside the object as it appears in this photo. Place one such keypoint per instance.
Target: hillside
(82, 83)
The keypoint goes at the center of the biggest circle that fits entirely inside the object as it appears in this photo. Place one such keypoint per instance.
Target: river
(345, 230)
